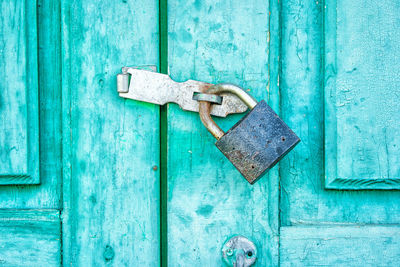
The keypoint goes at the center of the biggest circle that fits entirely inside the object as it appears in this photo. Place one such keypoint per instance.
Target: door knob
(239, 252)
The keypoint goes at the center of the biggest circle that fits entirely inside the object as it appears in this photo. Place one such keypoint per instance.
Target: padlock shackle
(205, 107)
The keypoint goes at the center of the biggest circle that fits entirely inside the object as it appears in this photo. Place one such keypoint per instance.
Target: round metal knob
(239, 252)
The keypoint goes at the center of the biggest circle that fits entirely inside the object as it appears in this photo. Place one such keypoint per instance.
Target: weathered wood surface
(304, 198)
(30, 238)
(111, 145)
(19, 109)
(208, 199)
(335, 245)
(362, 90)
(47, 194)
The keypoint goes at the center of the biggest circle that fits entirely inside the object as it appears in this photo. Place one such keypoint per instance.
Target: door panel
(19, 109)
(70, 144)
(314, 220)
(47, 194)
(208, 199)
(361, 95)
(340, 245)
(111, 145)
(30, 135)
(304, 198)
(30, 238)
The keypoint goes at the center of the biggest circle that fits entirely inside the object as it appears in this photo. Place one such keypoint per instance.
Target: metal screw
(124, 70)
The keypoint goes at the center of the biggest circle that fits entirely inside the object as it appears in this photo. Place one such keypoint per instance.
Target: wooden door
(30, 128)
(208, 200)
(339, 188)
(111, 145)
(91, 179)
(330, 70)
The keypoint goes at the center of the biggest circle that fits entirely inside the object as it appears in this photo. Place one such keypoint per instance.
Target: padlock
(257, 141)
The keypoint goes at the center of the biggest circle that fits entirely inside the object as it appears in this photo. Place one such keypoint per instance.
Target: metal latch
(145, 84)
(253, 145)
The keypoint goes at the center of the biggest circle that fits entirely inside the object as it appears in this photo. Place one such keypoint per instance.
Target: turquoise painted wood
(304, 198)
(30, 226)
(340, 245)
(19, 95)
(87, 162)
(360, 95)
(342, 114)
(47, 195)
(111, 145)
(208, 199)
(30, 237)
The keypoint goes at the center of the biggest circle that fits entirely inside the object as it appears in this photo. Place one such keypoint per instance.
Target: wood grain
(340, 245)
(208, 199)
(19, 94)
(30, 238)
(361, 92)
(48, 193)
(111, 145)
(303, 195)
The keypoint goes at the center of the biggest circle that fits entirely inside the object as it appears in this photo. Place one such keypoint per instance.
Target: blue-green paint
(30, 227)
(30, 237)
(340, 245)
(163, 62)
(19, 94)
(111, 184)
(47, 194)
(208, 199)
(361, 95)
(329, 69)
(306, 206)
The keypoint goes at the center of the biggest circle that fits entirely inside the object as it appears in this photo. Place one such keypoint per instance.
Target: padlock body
(257, 142)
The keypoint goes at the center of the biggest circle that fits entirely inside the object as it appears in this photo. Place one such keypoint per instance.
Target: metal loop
(205, 107)
(214, 99)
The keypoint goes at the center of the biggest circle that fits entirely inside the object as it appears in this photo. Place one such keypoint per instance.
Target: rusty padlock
(257, 141)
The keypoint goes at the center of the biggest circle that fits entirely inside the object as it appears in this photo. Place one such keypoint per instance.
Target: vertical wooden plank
(302, 107)
(208, 199)
(111, 187)
(47, 194)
